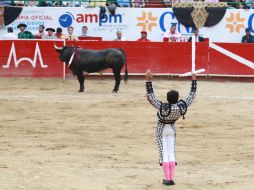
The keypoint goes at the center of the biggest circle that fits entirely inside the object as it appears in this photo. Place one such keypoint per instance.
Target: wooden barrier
(38, 58)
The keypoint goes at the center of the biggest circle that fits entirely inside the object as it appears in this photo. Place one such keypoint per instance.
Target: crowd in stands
(76, 3)
(238, 4)
(170, 35)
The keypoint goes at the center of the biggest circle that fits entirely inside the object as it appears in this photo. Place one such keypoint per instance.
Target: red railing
(38, 58)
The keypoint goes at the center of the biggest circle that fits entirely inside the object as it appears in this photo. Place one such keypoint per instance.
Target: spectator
(138, 3)
(172, 34)
(143, 37)
(40, 33)
(32, 3)
(18, 3)
(123, 3)
(120, 37)
(240, 6)
(111, 5)
(248, 38)
(9, 34)
(7, 3)
(57, 4)
(212, 1)
(59, 34)
(73, 3)
(102, 12)
(249, 4)
(85, 3)
(98, 3)
(42, 3)
(168, 3)
(49, 35)
(197, 37)
(23, 34)
(70, 35)
(84, 31)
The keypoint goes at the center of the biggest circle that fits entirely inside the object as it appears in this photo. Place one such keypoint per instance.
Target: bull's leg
(117, 81)
(81, 80)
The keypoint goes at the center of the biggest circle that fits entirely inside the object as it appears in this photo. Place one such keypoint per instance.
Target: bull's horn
(58, 48)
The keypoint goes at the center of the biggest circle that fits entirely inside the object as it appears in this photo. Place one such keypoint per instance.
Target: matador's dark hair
(172, 96)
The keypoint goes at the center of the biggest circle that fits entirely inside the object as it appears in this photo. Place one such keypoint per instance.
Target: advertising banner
(29, 58)
(131, 21)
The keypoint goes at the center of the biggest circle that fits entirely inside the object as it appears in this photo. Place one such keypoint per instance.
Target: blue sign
(172, 21)
(66, 19)
(250, 21)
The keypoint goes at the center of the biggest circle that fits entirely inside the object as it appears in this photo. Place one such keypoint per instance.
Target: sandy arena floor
(54, 138)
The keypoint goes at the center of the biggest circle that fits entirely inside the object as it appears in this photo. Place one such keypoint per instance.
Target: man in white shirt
(49, 35)
(84, 31)
(10, 34)
(172, 34)
(120, 37)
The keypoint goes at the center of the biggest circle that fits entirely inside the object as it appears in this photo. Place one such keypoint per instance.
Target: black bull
(82, 60)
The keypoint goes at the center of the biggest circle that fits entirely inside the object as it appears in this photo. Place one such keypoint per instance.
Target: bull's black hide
(82, 60)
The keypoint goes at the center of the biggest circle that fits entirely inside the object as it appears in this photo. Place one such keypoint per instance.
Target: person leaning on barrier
(50, 34)
(84, 32)
(248, 38)
(143, 37)
(172, 34)
(197, 37)
(9, 35)
(40, 33)
(23, 34)
(70, 35)
(59, 34)
(119, 36)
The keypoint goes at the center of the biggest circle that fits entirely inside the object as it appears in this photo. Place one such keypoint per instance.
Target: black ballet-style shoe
(171, 182)
(166, 182)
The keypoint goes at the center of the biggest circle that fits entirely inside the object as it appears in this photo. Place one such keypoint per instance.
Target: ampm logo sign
(67, 19)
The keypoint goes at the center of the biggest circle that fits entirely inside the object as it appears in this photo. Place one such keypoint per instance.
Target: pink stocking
(166, 167)
(172, 170)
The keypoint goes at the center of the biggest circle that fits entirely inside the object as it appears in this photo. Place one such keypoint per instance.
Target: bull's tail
(126, 68)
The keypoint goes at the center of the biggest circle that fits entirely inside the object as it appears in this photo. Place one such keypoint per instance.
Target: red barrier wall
(164, 58)
(160, 57)
(40, 63)
(221, 64)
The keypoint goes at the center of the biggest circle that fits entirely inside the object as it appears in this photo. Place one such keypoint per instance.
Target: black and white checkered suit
(168, 113)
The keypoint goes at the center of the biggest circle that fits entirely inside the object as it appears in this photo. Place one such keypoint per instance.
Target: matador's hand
(194, 77)
(149, 75)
